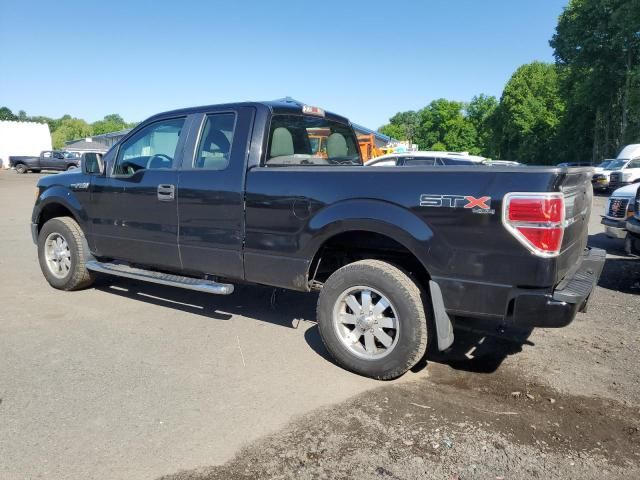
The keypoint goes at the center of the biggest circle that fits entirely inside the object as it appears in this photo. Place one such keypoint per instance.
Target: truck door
(211, 193)
(134, 212)
(58, 162)
(46, 160)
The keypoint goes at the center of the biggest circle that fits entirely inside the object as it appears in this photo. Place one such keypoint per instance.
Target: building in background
(22, 138)
(84, 146)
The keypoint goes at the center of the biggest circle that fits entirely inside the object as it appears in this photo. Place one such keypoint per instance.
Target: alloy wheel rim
(366, 322)
(57, 255)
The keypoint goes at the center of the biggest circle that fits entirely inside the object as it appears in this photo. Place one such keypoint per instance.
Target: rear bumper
(614, 228)
(558, 308)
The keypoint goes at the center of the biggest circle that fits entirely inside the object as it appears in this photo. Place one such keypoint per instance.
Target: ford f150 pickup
(202, 198)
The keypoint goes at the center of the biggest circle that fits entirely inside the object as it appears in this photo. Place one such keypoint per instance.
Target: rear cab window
(298, 140)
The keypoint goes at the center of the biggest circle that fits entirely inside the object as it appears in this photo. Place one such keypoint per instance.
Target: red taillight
(536, 209)
(536, 220)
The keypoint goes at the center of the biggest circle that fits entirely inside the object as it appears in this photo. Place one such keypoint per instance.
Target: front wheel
(372, 319)
(63, 252)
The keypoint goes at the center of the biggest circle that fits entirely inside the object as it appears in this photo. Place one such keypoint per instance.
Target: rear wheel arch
(346, 246)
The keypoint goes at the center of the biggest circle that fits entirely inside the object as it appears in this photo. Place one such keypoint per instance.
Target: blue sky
(365, 60)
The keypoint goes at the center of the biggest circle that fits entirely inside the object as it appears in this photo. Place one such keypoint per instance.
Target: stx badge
(476, 205)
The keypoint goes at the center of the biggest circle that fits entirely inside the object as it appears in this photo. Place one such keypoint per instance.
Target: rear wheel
(21, 168)
(72, 167)
(372, 319)
(63, 252)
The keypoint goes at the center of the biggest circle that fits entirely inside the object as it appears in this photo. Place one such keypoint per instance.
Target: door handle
(166, 193)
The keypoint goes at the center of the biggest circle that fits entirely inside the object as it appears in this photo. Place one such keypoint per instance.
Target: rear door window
(214, 149)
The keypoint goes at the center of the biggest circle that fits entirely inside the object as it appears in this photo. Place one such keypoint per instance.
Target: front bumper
(558, 308)
(600, 184)
(614, 228)
(632, 243)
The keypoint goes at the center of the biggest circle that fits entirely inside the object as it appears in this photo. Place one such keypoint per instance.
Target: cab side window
(214, 149)
(154, 147)
(634, 163)
(415, 161)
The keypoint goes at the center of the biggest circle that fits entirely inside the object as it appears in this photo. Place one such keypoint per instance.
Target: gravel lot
(135, 381)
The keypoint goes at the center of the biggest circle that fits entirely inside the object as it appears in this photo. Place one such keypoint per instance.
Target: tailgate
(575, 184)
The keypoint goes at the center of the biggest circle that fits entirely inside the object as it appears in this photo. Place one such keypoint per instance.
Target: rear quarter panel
(290, 212)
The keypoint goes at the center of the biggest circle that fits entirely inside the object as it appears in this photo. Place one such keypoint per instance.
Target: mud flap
(444, 328)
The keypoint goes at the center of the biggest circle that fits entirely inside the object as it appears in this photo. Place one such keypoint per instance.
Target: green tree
(69, 128)
(110, 123)
(7, 114)
(482, 113)
(443, 124)
(402, 126)
(597, 48)
(530, 111)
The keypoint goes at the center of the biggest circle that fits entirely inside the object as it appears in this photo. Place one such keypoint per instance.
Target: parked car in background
(628, 171)
(601, 179)
(619, 209)
(604, 164)
(429, 158)
(575, 164)
(632, 241)
(503, 163)
(47, 160)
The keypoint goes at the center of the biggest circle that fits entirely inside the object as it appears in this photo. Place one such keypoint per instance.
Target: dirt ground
(545, 404)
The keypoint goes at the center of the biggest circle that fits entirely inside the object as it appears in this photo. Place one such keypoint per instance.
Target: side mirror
(92, 164)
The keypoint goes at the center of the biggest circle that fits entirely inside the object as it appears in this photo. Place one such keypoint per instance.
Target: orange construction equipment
(368, 149)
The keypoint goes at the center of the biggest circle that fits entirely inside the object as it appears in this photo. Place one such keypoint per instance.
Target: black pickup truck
(205, 197)
(47, 160)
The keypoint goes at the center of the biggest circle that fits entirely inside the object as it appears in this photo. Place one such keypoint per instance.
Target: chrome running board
(189, 283)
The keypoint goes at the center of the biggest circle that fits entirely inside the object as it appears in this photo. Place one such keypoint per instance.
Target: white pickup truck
(626, 169)
(618, 210)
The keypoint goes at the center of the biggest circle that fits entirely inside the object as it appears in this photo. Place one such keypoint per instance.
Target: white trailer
(22, 138)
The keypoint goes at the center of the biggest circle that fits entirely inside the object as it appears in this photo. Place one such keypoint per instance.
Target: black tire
(408, 301)
(72, 167)
(21, 168)
(77, 277)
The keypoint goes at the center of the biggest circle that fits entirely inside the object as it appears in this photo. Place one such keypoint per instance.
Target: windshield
(296, 140)
(606, 163)
(616, 165)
